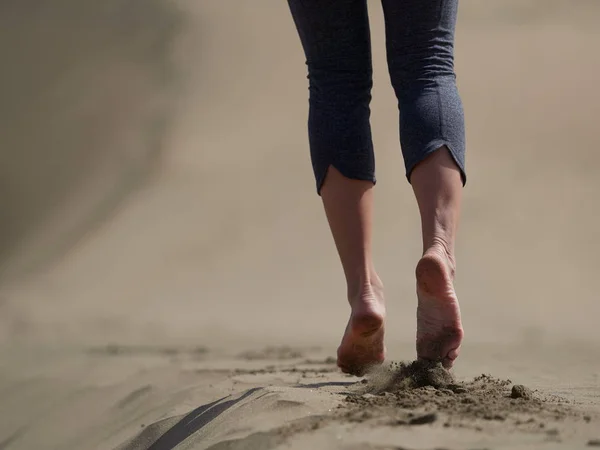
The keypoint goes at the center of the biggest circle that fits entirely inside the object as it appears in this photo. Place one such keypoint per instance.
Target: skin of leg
(349, 209)
(437, 185)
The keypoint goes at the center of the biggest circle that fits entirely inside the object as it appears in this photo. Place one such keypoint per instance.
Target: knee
(340, 82)
(421, 65)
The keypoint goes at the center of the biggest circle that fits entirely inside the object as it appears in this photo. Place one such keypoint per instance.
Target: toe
(453, 354)
(351, 369)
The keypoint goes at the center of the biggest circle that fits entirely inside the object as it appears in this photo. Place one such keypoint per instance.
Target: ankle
(365, 286)
(443, 248)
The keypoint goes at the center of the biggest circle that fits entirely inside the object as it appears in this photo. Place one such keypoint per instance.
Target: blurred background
(155, 180)
(156, 195)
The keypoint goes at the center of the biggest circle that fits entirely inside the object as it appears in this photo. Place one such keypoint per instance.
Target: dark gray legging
(335, 36)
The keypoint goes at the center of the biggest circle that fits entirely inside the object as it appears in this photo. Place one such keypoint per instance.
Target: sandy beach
(167, 276)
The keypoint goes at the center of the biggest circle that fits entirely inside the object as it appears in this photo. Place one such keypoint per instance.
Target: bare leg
(349, 208)
(437, 186)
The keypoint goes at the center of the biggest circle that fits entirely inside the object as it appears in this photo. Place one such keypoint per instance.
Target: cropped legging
(335, 36)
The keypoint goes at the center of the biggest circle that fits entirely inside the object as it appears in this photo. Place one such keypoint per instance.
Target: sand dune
(168, 279)
(85, 103)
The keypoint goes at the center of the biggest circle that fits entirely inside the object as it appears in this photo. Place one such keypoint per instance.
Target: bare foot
(439, 328)
(362, 345)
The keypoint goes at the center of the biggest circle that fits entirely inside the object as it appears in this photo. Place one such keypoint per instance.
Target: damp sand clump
(400, 376)
(416, 392)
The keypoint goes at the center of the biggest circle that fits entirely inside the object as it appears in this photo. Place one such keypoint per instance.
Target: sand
(167, 278)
